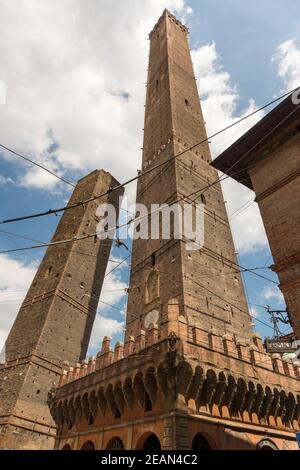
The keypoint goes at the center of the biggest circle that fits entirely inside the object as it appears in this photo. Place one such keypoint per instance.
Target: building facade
(191, 374)
(55, 320)
(267, 160)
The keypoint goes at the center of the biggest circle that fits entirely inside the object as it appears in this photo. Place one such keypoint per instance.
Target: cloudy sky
(73, 75)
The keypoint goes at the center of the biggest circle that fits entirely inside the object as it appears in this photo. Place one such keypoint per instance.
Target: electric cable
(121, 186)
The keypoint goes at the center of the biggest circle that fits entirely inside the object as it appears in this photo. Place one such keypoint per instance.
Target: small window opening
(148, 403)
(117, 413)
(49, 271)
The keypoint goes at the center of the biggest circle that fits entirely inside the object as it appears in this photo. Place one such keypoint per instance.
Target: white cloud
(220, 99)
(247, 227)
(254, 312)
(2, 92)
(4, 181)
(113, 290)
(15, 279)
(76, 86)
(287, 60)
(104, 326)
(74, 102)
(75, 91)
(113, 294)
(272, 294)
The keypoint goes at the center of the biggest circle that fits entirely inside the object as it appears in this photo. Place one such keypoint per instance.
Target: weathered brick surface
(55, 320)
(194, 365)
(206, 282)
(277, 187)
(267, 160)
(234, 401)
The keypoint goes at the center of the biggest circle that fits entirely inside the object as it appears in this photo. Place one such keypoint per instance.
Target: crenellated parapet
(210, 373)
(167, 15)
(109, 356)
(201, 387)
(208, 346)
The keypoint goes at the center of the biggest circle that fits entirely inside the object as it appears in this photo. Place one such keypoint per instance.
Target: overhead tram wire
(250, 150)
(227, 301)
(145, 354)
(118, 265)
(120, 186)
(42, 167)
(44, 244)
(6, 232)
(8, 301)
(9, 236)
(184, 197)
(220, 259)
(119, 226)
(252, 271)
(13, 152)
(127, 288)
(200, 285)
(113, 228)
(111, 306)
(237, 214)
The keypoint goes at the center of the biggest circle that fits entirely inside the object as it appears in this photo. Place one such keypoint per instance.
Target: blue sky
(74, 102)
(247, 34)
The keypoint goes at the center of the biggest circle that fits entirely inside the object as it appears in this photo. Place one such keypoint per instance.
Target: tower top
(162, 267)
(167, 15)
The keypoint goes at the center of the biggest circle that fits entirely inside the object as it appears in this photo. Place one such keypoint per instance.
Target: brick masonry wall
(212, 375)
(276, 185)
(55, 320)
(205, 282)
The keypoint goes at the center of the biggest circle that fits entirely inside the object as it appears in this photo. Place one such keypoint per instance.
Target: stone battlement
(172, 18)
(214, 374)
(211, 344)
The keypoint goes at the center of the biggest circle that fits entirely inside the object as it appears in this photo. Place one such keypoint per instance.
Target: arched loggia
(266, 444)
(115, 444)
(152, 443)
(88, 445)
(200, 443)
(66, 447)
(148, 441)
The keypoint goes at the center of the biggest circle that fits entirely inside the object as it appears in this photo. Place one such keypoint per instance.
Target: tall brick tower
(206, 282)
(191, 374)
(55, 320)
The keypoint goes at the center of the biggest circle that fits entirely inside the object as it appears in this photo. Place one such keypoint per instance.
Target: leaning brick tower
(191, 374)
(206, 282)
(55, 320)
